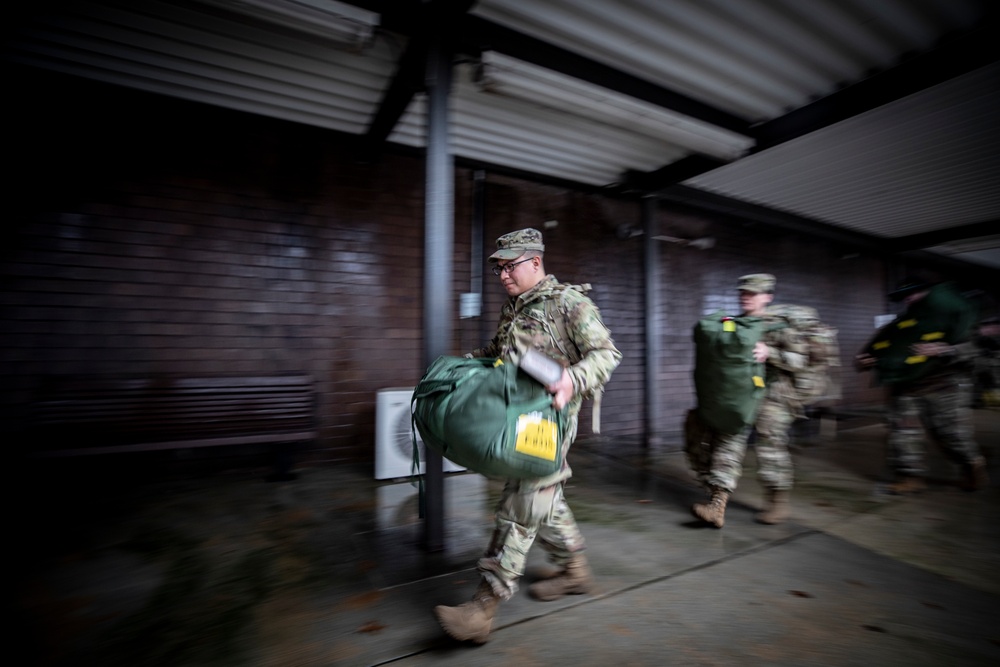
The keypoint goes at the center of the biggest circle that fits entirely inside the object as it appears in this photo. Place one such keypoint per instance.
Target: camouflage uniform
(774, 462)
(720, 464)
(718, 461)
(944, 411)
(939, 401)
(788, 357)
(533, 508)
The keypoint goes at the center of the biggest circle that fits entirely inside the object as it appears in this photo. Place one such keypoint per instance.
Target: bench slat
(145, 414)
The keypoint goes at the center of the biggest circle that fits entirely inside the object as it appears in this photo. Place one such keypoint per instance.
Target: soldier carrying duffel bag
(561, 322)
(925, 358)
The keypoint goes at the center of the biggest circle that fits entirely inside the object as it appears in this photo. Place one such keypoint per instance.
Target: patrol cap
(908, 286)
(515, 244)
(756, 283)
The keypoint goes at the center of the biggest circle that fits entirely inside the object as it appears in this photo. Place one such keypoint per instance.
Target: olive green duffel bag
(944, 315)
(490, 417)
(728, 382)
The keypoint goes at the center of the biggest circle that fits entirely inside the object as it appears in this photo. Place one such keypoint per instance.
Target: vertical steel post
(438, 257)
(651, 267)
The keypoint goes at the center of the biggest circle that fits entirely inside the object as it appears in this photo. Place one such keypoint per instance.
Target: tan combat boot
(472, 620)
(575, 579)
(974, 475)
(713, 512)
(907, 484)
(777, 508)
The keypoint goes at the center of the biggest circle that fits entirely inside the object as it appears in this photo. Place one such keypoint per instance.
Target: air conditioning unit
(393, 442)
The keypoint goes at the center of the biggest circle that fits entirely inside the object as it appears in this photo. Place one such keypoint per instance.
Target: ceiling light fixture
(338, 21)
(502, 75)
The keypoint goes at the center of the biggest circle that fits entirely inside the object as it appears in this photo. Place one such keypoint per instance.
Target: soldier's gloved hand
(562, 391)
(863, 362)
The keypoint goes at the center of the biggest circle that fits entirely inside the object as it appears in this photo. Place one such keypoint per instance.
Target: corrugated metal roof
(183, 50)
(754, 58)
(596, 91)
(926, 162)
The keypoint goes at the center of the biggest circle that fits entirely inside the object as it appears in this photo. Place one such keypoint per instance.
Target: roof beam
(409, 78)
(955, 56)
(407, 82)
(727, 206)
(943, 236)
(670, 174)
(722, 205)
(475, 34)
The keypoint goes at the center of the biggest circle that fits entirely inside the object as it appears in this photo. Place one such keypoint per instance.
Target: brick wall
(151, 236)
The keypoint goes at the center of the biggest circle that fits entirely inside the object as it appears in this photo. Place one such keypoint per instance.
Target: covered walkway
(185, 569)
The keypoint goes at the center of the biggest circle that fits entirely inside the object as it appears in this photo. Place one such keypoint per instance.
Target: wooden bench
(75, 416)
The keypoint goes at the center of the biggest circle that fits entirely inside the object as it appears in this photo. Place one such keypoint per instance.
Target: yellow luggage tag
(537, 436)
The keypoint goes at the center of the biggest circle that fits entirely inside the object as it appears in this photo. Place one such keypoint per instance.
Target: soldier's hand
(760, 352)
(863, 362)
(562, 391)
(931, 349)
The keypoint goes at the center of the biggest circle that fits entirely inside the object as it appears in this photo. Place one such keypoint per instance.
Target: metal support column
(651, 267)
(438, 257)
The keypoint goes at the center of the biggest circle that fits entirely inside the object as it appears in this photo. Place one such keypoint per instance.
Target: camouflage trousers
(524, 513)
(774, 462)
(946, 415)
(717, 459)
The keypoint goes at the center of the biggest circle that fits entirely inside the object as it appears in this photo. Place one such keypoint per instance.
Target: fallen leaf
(371, 626)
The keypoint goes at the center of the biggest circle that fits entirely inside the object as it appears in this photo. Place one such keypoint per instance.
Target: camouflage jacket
(526, 322)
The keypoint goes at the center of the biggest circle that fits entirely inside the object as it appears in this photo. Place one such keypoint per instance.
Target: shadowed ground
(164, 567)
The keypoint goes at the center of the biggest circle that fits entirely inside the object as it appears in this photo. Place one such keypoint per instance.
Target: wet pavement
(176, 565)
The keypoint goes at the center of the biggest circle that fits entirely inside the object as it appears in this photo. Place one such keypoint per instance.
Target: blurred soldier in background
(801, 358)
(716, 458)
(925, 356)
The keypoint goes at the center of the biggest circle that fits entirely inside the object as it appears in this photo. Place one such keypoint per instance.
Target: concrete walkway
(156, 568)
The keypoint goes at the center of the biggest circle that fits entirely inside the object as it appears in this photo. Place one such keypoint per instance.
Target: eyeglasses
(507, 268)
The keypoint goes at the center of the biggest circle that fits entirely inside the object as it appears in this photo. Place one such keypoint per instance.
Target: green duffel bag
(944, 315)
(488, 416)
(728, 382)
